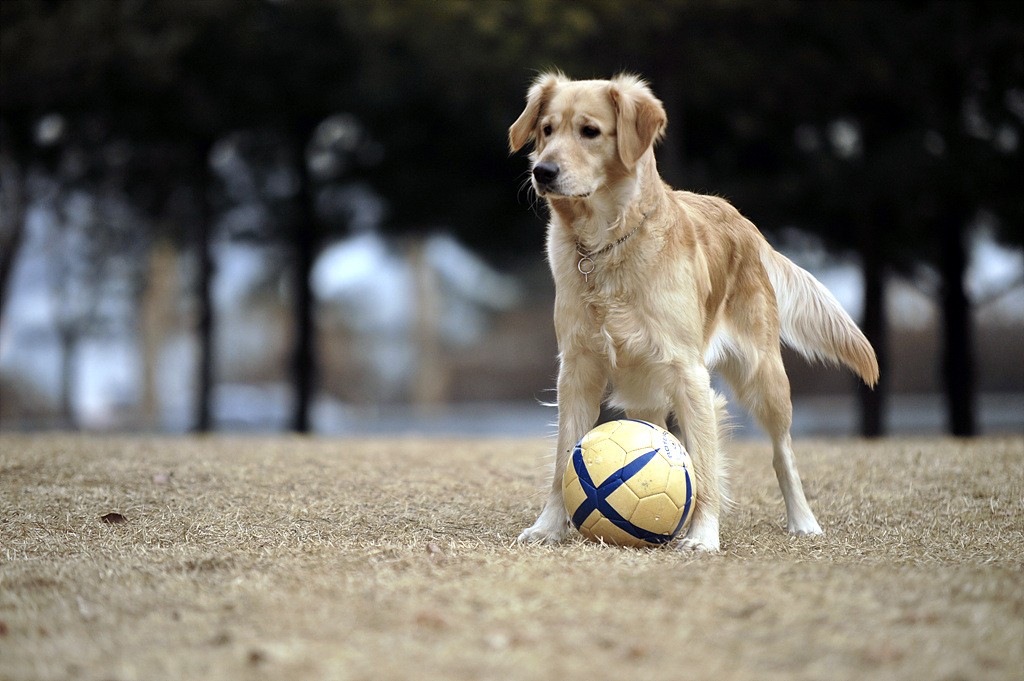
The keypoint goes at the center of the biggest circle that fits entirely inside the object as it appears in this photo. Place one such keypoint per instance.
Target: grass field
(292, 558)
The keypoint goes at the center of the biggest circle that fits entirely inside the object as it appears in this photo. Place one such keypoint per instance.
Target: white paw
(551, 527)
(804, 528)
(702, 537)
(543, 534)
(697, 546)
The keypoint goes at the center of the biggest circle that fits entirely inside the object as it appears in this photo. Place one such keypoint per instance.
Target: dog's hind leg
(763, 388)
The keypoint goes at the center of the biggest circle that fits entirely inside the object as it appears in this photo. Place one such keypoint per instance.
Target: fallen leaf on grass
(221, 639)
(436, 553)
(744, 613)
(638, 652)
(431, 620)
(113, 518)
(883, 654)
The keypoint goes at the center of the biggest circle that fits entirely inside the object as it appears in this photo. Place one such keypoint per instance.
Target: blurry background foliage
(149, 136)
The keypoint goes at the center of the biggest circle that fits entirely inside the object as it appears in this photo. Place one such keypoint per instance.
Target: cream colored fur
(695, 286)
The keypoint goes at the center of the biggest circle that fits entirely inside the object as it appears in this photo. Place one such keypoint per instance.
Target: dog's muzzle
(544, 176)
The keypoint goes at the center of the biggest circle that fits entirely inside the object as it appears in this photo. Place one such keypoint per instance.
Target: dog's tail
(813, 323)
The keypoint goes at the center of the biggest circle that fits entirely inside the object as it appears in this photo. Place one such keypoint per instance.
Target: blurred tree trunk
(302, 359)
(158, 322)
(305, 244)
(10, 238)
(203, 419)
(431, 382)
(875, 327)
(958, 348)
(68, 337)
(10, 243)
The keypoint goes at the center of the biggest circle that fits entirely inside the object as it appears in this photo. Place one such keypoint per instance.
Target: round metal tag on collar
(585, 271)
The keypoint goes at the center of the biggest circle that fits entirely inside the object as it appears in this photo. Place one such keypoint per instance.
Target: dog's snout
(545, 173)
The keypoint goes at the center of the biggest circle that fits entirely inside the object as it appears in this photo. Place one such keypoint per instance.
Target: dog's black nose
(545, 173)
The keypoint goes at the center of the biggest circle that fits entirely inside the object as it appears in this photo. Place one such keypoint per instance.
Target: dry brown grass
(292, 558)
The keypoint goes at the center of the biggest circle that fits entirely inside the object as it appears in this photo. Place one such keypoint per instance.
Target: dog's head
(588, 134)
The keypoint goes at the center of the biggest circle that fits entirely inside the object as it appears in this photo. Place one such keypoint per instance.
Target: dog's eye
(546, 130)
(589, 131)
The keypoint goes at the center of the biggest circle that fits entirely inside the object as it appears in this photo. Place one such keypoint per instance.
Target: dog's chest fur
(622, 314)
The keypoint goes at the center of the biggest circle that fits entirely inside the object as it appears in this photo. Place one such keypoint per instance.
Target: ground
(295, 558)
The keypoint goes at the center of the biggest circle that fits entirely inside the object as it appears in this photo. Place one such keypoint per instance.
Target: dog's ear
(640, 117)
(525, 127)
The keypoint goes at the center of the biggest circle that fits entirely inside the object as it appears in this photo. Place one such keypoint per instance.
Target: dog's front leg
(581, 387)
(697, 416)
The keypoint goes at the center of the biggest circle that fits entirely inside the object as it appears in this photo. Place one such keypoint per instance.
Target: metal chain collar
(588, 256)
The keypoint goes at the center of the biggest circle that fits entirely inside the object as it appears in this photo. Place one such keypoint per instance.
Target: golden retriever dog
(653, 287)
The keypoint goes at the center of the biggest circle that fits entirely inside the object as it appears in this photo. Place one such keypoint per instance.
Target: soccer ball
(629, 483)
